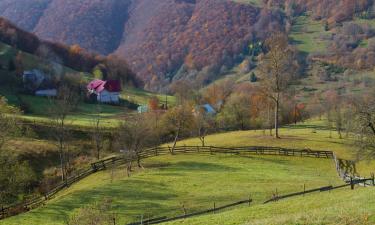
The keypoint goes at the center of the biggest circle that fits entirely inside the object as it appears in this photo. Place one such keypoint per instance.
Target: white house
(105, 91)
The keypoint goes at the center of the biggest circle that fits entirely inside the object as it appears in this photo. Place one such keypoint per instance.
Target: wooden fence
(212, 210)
(156, 151)
(323, 189)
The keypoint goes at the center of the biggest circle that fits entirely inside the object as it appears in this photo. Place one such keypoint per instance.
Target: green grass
(195, 181)
(337, 207)
(38, 110)
(142, 97)
(312, 134)
(306, 35)
(253, 2)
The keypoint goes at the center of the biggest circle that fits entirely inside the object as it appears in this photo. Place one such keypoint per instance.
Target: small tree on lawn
(94, 214)
(177, 121)
(276, 71)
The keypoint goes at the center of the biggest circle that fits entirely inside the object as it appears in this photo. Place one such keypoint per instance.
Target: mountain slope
(93, 24)
(158, 38)
(168, 40)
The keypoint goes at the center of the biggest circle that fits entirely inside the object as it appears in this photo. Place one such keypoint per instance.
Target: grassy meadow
(195, 181)
(167, 183)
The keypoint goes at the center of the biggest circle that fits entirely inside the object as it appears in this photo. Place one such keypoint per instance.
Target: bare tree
(178, 120)
(60, 108)
(276, 70)
(204, 123)
(365, 127)
(97, 135)
(134, 136)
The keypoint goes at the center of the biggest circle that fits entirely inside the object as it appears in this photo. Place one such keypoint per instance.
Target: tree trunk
(203, 141)
(139, 161)
(175, 140)
(277, 117)
(339, 132)
(61, 155)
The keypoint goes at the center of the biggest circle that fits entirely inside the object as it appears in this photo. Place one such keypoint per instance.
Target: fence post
(304, 189)
(373, 179)
(183, 207)
(249, 199)
(351, 183)
(214, 207)
(210, 150)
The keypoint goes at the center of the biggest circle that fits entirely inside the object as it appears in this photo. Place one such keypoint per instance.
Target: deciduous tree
(277, 69)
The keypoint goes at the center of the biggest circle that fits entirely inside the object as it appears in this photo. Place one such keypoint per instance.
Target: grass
(195, 181)
(336, 207)
(38, 110)
(312, 134)
(142, 97)
(306, 35)
(253, 2)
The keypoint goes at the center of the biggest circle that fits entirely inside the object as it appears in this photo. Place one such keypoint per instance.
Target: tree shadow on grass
(129, 198)
(201, 166)
(306, 126)
(270, 159)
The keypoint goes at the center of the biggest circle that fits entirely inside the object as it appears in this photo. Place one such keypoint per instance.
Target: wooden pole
(304, 189)
(183, 207)
(214, 207)
(351, 183)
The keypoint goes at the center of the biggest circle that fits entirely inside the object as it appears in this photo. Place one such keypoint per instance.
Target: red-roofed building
(106, 91)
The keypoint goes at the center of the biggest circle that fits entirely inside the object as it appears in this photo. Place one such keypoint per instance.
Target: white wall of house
(108, 97)
(46, 93)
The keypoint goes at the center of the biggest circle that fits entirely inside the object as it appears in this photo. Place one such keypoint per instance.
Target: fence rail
(321, 189)
(212, 210)
(157, 151)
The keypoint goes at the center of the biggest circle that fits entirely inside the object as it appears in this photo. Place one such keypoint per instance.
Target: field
(167, 183)
(307, 35)
(162, 188)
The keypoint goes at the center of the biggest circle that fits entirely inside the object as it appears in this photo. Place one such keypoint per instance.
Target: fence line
(321, 189)
(157, 151)
(212, 210)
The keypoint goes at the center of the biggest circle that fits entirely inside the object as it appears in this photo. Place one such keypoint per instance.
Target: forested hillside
(168, 40)
(159, 39)
(73, 56)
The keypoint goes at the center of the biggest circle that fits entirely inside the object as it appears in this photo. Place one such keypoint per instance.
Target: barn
(105, 91)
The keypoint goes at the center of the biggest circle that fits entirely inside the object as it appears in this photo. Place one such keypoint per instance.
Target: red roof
(113, 86)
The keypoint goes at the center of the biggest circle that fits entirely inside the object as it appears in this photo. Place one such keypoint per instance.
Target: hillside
(159, 39)
(160, 189)
(168, 40)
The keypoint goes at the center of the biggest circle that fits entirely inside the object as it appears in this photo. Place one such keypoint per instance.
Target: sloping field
(168, 184)
(195, 181)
